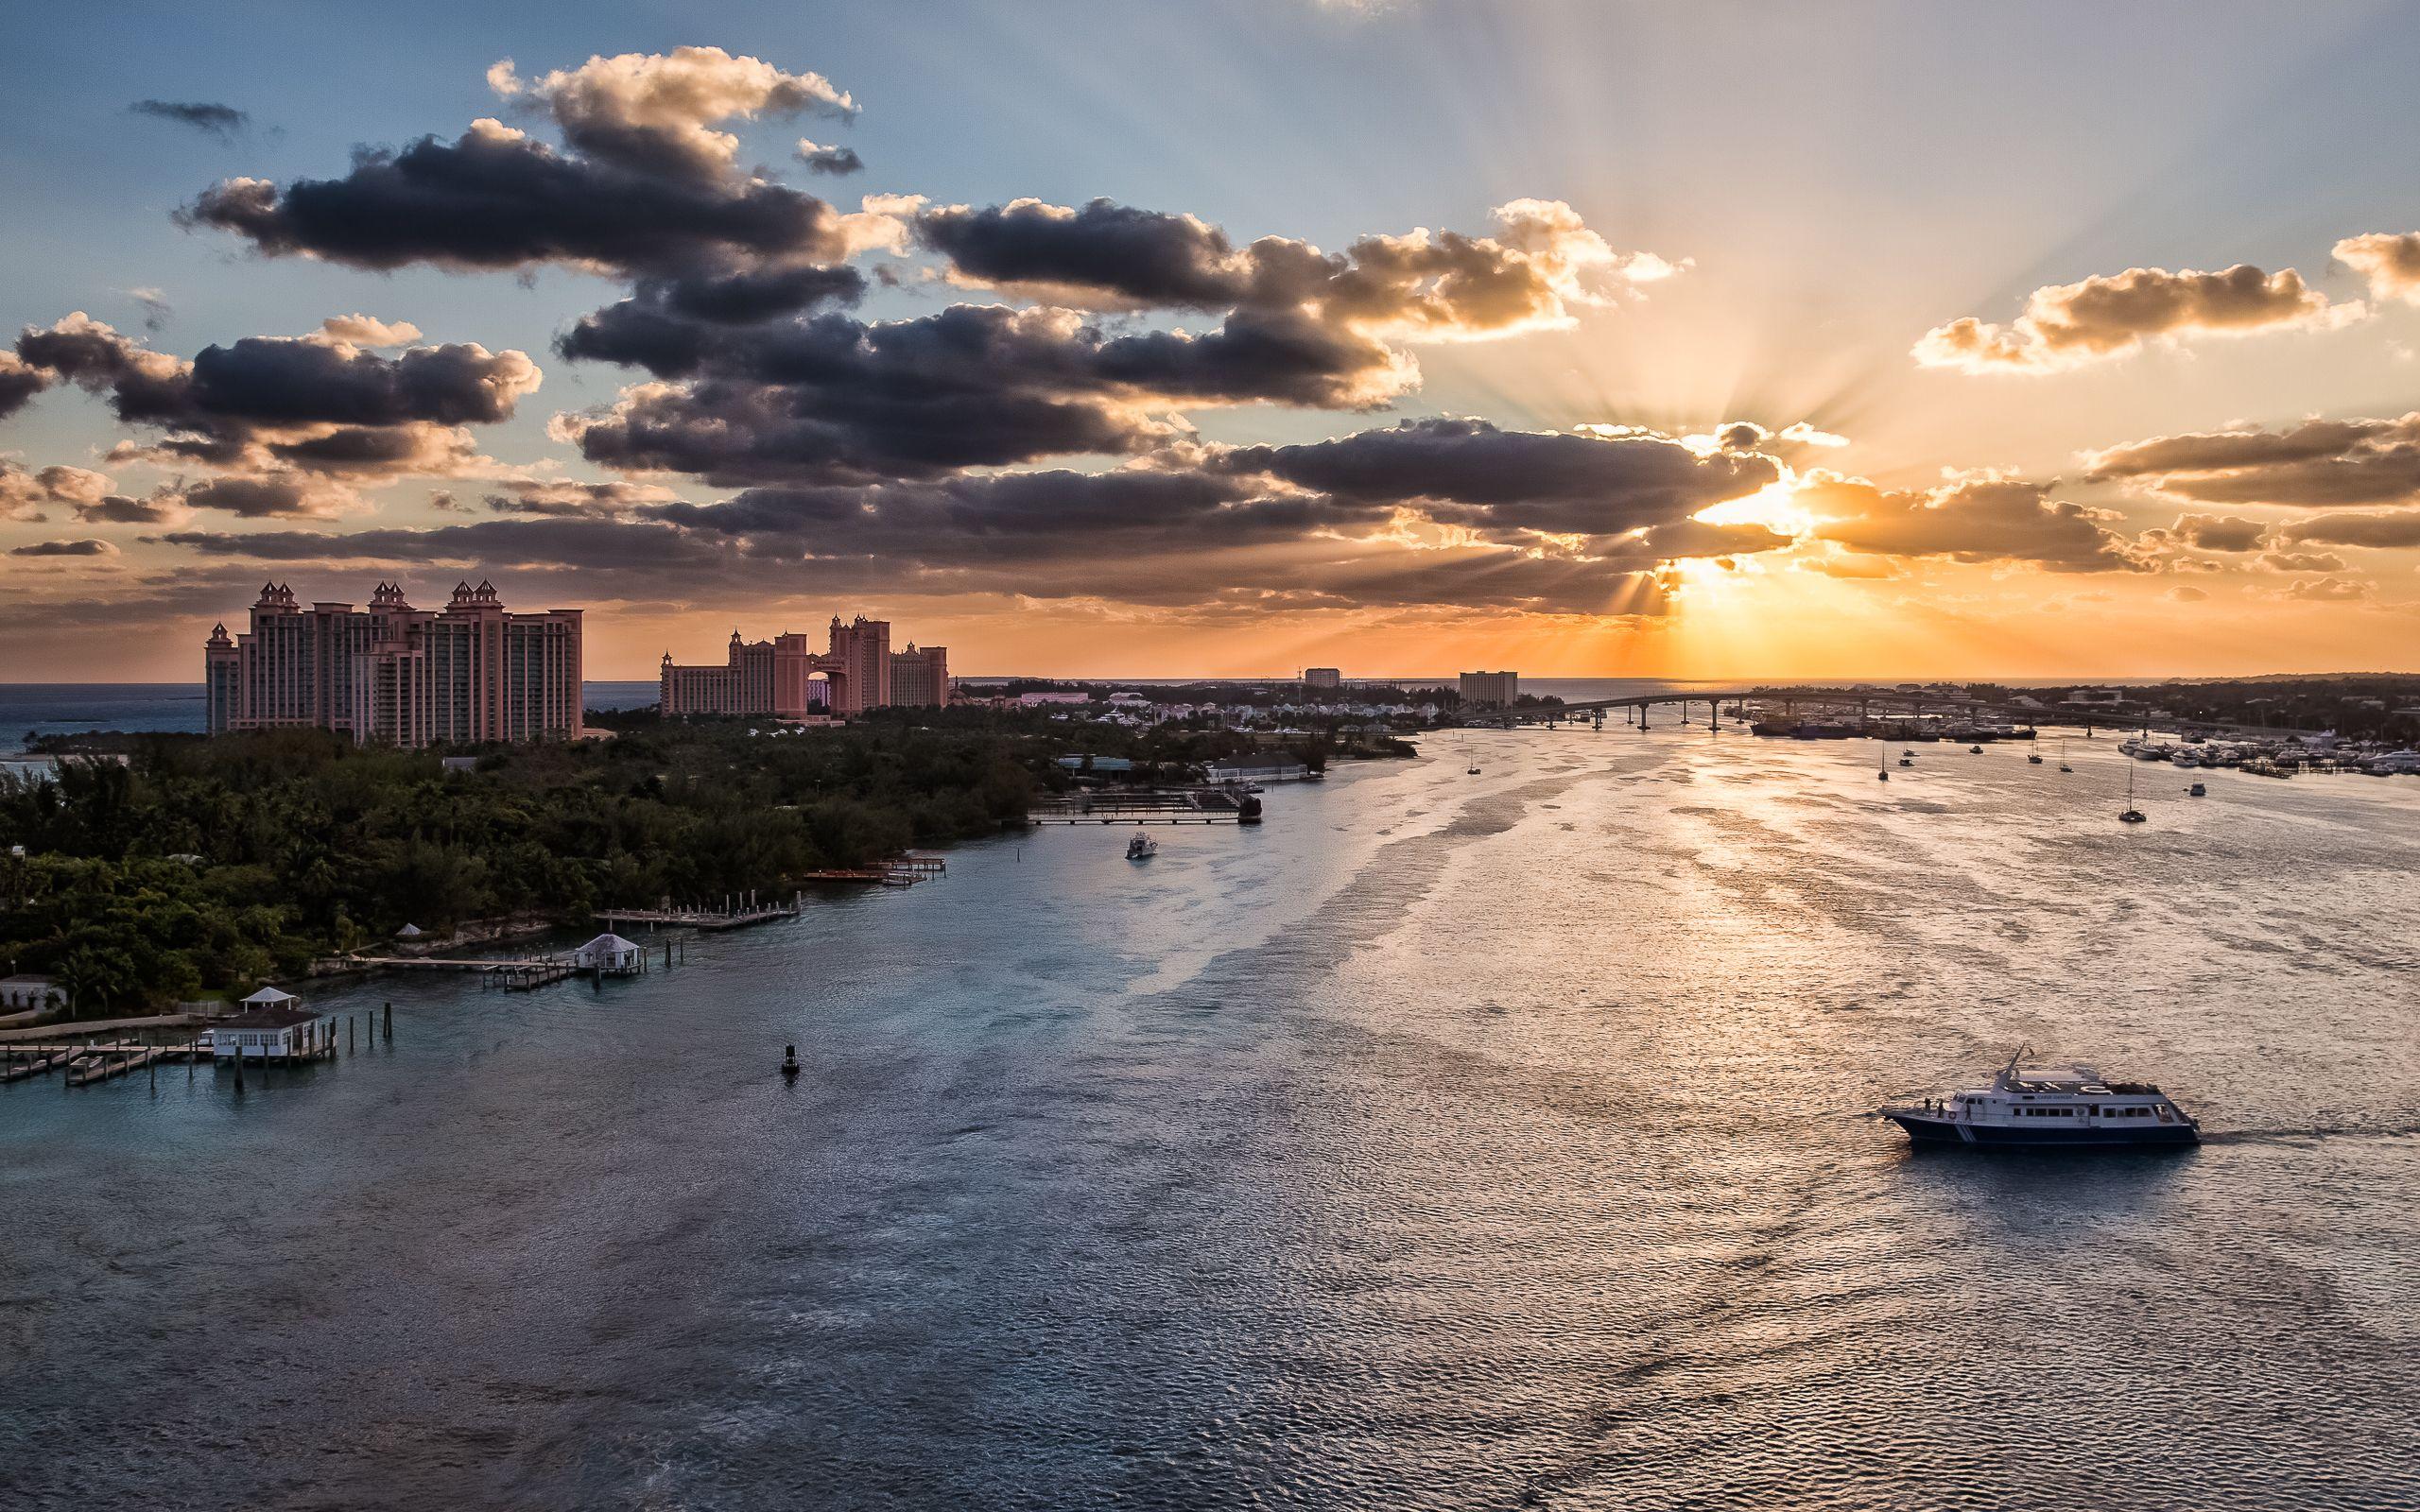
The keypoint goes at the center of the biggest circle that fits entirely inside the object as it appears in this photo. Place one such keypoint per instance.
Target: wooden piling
(390, 1023)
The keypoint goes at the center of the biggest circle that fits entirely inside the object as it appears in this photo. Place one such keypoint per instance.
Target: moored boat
(2035, 1105)
(1142, 847)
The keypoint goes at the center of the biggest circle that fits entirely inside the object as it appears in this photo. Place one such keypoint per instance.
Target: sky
(1133, 338)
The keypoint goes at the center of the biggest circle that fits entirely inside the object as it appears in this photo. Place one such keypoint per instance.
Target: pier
(1142, 805)
(735, 912)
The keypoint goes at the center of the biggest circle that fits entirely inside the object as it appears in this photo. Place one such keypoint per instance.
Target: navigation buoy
(790, 1061)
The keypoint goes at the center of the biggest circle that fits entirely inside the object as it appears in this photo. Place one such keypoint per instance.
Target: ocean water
(1446, 1142)
(30, 709)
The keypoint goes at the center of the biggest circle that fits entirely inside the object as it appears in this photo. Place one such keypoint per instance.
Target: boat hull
(1929, 1131)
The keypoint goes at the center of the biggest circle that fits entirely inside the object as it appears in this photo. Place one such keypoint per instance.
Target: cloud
(1471, 473)
(2382, 531)
(2327, 590)
(654, 112)
(2209, 532)
(493, 198)
(1983, 519)
(2067, 325)
(833, 161)
(316, 403)
(65, 548)
(2319, 462)
(157, 310)
(1855, 568)
(523, 496)
(20, 381)
(366, 330)
(224, 122)
(2302, 562)
(28, 495)
(832, 398)
(1542, 262)
(2390, 263)
(2187, 593)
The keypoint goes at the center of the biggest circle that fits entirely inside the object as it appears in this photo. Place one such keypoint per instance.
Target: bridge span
(1865, 702)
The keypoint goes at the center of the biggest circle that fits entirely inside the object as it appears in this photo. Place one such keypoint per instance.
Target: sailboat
(2063, 755)
(1883, 768)
(2133, 815)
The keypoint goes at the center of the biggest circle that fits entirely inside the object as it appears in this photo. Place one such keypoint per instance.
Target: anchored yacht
(1142, 847)
(2034, 1105)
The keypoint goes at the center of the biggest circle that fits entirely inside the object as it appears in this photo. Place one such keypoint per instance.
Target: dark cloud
(65, 548)
(495, 198)
(2068, 324)
(2209, 532)
(224, 122)
(19, 383)
(572, 500)
(2381, 531)
(317, 403)
(835, 160)
(1976, 521)
(2319, 462)
(2302, 562)
(1469, 472)
(835, 399)
(1541, 261)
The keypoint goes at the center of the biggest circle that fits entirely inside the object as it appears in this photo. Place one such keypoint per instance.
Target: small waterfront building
(272, 1025)
(613, 955)
(26, 990)
(408, 932)
(1256, 769)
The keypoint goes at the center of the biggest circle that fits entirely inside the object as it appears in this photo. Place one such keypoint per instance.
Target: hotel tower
(401, 676)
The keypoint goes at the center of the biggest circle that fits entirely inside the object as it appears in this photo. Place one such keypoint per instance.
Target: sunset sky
(1137, 338)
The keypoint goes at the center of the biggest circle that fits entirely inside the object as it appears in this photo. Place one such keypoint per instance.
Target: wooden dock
(734, 914)
(1155, 805)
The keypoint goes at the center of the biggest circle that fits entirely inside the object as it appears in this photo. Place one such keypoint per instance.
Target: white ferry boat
(2037, 1106)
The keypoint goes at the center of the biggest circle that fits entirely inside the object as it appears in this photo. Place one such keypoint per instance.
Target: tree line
(188, 866)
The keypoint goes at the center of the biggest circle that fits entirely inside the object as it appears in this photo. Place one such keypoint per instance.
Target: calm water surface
(1447, 1141)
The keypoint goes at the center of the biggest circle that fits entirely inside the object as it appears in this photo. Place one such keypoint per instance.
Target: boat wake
(2296, 1136)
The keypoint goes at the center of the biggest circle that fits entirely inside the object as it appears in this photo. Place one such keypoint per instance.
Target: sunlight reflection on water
(1446, 1141)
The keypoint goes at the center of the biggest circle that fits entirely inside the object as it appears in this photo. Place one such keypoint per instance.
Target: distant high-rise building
(1483, 690)
(1323, 677)
(394, 674)
(784, 679)
(920, 679)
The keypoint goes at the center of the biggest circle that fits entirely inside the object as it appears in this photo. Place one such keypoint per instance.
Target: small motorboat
(1470, 771)
(2040, 1106)
(2198, 790)
(1142, 847)
(789, 1062)
(1974, 750)
(2033, 758)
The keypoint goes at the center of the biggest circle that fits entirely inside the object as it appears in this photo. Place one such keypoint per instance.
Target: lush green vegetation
(197, 865)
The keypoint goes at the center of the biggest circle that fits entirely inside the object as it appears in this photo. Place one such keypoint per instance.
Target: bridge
(1637, 709)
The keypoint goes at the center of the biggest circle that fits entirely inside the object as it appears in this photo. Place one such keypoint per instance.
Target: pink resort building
(782, 679)
(406, 676)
